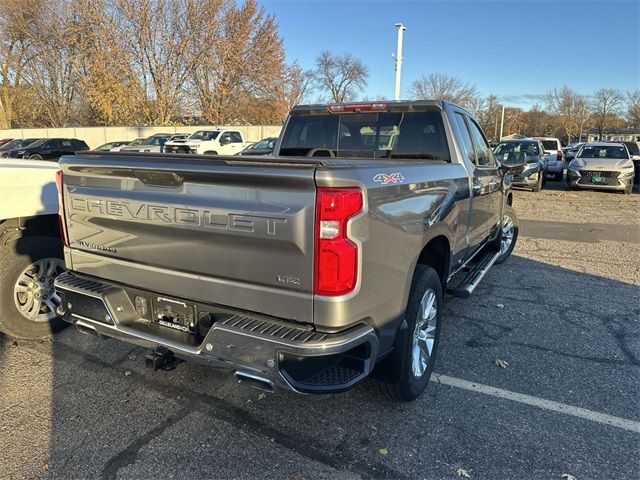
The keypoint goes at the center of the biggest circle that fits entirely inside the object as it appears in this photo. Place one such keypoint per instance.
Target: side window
(226, 137)
(66, 143)
(52, 144)
(235, 137)
(465, 137)
(483, 151)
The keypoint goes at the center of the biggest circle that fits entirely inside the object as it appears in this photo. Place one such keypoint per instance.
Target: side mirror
(225, 141)
(514, 164)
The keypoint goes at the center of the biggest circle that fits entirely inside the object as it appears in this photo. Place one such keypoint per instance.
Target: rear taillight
(559, 157)
(336, 256)
(63, 224)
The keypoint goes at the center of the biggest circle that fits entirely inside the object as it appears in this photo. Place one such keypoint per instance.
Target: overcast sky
(516, 49)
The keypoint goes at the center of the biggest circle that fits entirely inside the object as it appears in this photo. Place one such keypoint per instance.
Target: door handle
(477, 188)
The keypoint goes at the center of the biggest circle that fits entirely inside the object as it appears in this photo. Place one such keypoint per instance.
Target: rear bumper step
(285, 355)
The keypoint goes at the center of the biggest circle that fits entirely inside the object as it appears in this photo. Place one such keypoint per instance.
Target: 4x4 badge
(387, 178)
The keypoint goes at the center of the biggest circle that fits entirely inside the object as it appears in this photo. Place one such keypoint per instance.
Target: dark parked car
(532, 153)
(48, 149)
(263, 147)
(15, 144)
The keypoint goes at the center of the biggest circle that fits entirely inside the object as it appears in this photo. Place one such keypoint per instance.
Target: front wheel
(419, 346)
(538, 186)
(35, 156)
(508, 234)
(28, 300)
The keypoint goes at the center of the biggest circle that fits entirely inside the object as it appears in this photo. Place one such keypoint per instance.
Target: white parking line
(541, 403)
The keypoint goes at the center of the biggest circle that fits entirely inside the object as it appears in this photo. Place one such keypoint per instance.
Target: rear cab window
(550, 145)
(405, 135)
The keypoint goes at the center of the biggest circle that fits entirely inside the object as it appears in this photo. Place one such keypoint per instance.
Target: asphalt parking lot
(563, 313)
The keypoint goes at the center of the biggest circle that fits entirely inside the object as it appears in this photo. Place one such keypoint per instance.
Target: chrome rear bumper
(279, 355)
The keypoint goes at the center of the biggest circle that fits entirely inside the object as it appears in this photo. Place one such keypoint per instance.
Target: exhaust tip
(254, 381)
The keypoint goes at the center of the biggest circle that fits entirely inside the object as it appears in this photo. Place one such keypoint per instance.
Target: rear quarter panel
(398, 221)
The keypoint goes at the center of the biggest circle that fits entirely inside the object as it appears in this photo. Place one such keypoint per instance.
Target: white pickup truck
(30, 248)
(212, 142)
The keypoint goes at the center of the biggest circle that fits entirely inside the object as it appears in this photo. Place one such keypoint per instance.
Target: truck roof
(378, 105)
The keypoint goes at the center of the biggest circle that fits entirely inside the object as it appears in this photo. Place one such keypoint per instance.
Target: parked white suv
(553, 148)
(30, 248)
(212, 142)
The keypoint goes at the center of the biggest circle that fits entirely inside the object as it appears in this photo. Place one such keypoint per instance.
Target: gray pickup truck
(302, 272)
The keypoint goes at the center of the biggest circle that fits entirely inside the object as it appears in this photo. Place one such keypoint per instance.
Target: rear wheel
(35, 156)
(211, 153)
(420, 345)
(28, 300)
(509, 233)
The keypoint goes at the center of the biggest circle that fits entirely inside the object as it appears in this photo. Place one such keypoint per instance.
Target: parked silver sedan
(606, 166)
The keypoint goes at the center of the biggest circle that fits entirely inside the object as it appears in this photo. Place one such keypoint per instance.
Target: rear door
(486, 186)
(52, 149)
(238, 235)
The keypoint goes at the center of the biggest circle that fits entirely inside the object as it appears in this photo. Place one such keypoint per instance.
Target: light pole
(584, 109)
(401, 28)
(502, 122)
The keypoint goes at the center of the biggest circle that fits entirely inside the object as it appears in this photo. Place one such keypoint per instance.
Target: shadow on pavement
(567, 336)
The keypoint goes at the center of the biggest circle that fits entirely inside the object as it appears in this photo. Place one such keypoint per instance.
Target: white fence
(96, 136)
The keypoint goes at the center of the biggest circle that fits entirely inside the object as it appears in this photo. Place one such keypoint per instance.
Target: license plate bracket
(175, 314)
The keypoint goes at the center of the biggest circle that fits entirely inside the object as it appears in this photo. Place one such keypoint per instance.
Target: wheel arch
(437, 254)
(40, 225)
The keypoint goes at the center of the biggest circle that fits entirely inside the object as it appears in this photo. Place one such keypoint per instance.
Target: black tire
(510, 213)
(35, 156)
(16, 256)
(408, 387)
(538, 185)
(211, 153)
(569, 186)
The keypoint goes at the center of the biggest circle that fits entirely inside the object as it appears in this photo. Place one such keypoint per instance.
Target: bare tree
(299, 84)
(633, 108)
(487, 112)
(537, 122)
(14, 53)
(340, 76)
(568, 107)
(606, 102)
(108, 83)
(242, 75)
(441, 86)
(160, 37)
(53, 73)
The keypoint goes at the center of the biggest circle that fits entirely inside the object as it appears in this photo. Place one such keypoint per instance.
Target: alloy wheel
(424, 334)
(34, 292)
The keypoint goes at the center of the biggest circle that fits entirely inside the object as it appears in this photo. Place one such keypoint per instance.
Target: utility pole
(401, 28)
(584, 108)
(502, 123)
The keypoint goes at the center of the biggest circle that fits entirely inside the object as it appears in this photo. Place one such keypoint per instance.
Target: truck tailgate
(214, 231)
